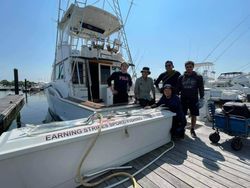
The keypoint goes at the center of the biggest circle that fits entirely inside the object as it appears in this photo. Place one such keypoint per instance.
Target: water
(35, 110)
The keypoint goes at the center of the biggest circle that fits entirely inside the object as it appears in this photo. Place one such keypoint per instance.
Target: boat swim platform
(191, 163)
(10, 106)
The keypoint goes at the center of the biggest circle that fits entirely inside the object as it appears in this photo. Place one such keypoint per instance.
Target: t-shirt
(122, 81)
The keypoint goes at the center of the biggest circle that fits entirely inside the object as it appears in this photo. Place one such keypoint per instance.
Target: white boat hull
(51, 159)
(65, 109)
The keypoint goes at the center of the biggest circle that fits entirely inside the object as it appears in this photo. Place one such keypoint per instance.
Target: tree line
(11, 83)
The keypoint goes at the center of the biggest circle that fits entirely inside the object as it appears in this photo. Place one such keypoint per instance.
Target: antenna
(117, 11)
(58, 19)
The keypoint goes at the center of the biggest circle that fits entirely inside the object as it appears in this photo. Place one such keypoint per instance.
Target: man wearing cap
(143, 87)
(122, 83)
(170, 76)
(191, 87)
(172, 101)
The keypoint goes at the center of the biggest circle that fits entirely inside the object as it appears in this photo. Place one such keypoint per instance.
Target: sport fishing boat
(97, 135)
(91, 45)
(231, 86)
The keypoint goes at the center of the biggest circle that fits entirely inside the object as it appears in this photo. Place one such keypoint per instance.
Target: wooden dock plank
(111, 181)
(198, 175)
(151, 175)
(128, 183)
(217, 157)
(193, 163)
(238, 158)
(178, 173)
(104, 183)
(10, 105)
(201, 168)
(118, 181)
(163, 172)
(229, 179)
(198, 163)
(224, 145)
(142, 180)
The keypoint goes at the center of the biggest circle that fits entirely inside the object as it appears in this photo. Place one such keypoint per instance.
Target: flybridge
(230, 75)
(89, 21)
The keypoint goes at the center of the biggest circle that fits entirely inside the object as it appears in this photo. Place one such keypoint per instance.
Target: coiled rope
(81, 178)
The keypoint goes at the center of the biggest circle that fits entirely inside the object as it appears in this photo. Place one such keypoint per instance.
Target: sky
(215, 31)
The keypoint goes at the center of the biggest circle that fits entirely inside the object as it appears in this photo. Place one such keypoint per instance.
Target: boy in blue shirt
(172, 101)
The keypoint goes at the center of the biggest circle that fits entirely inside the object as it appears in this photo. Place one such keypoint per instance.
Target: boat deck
(193, 163)
(98, 105)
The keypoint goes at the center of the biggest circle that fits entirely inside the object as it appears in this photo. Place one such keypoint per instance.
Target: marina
(191, 163)
(34, 110)
(87, 125)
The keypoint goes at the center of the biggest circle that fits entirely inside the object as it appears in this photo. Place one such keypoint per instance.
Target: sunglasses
(169, 65)
(189, 67)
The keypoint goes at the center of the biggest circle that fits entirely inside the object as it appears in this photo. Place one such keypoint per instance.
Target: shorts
(145, 102)
(120, 98)
(191, 104)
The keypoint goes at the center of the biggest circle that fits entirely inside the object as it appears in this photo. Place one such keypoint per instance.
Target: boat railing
(112, 46)
(105, 52)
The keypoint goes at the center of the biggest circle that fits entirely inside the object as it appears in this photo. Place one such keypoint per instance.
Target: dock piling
(16, 82)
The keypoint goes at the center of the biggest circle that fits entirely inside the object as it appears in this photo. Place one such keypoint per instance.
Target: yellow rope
(81, 178)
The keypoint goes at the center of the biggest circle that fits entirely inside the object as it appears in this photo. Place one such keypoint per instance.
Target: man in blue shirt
(172, 101)
(122, 83)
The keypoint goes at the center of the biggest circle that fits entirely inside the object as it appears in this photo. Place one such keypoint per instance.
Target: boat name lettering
(89, 129)
(105, 56)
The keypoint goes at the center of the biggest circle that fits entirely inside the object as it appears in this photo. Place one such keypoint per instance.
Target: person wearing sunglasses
(191, 90)
(170, 76)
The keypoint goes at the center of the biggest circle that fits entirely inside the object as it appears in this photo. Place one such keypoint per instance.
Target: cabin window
(59, 71)
(79, 73)
(105, 73)
(92, 28)
(115, 69)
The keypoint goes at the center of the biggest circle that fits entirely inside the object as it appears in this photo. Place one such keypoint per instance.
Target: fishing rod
(231, 44)
(223, 39)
